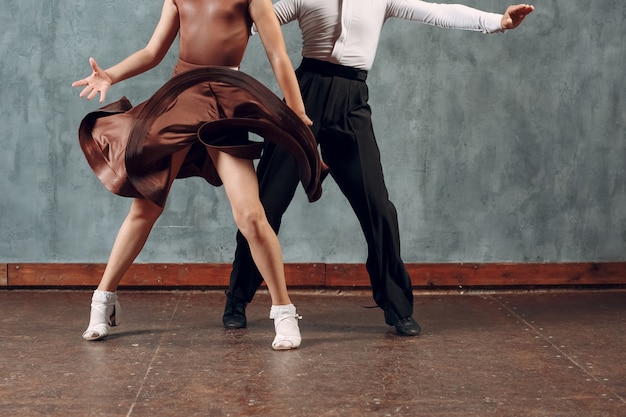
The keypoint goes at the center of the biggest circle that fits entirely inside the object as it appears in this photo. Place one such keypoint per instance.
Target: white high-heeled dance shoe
(105, 313)
(286, 326)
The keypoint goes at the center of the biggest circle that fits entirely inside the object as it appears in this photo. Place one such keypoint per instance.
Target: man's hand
(98, 82)
(514, 15)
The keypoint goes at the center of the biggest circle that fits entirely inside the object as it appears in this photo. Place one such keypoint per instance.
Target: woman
(196, 125)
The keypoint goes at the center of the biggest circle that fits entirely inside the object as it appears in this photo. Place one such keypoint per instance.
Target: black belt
(328, 68)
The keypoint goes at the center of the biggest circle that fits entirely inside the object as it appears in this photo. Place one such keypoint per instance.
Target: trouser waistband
(328, 68)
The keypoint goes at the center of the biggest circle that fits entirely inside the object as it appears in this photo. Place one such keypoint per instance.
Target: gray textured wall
(496, 147)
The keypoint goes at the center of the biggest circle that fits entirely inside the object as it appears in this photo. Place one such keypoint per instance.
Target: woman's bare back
(213, 32)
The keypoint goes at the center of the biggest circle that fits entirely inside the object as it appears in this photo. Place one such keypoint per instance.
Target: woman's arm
(141, 61)
(271, 35)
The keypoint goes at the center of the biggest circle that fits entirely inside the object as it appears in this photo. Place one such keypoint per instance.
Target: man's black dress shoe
(405, 326)
(234, 312)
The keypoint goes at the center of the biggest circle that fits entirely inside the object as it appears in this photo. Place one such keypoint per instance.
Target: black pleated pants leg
(342, 124)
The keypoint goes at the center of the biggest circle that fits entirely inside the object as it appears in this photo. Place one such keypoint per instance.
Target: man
(340, 39)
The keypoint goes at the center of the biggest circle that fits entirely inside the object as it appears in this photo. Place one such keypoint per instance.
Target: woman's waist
(183, 66)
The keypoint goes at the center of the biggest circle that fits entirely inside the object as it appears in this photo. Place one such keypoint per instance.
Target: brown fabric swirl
(130, 148)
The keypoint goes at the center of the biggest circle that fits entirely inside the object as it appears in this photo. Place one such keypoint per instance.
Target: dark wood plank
(4, 279)
(517, 274)
(323, 275)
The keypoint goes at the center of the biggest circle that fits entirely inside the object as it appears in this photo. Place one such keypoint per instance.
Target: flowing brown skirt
(130, 148)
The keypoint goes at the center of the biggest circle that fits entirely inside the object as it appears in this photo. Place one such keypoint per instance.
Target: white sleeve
(451, 16)
(286, 10)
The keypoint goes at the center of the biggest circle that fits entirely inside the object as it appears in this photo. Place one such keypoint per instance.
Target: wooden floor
(520, 353)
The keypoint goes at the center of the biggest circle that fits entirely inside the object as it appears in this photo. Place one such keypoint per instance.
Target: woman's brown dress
(130, 148)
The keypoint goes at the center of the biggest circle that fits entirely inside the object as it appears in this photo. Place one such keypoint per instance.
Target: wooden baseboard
(318, 275)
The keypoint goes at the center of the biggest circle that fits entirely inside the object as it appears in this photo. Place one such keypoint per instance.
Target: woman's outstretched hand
(98, 82)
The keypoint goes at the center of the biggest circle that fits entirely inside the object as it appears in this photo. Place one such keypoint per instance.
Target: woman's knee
(250, 220)
(145, 210)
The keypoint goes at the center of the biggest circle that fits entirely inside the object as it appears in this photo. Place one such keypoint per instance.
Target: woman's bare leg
(241, 186)
(105, 308)
(131, 238)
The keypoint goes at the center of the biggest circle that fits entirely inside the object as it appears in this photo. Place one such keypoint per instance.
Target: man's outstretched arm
(514, 15)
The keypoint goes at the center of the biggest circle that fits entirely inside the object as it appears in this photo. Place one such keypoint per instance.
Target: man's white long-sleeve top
(347, 32)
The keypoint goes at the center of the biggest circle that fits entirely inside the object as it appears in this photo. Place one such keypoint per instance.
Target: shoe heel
(114, 318)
